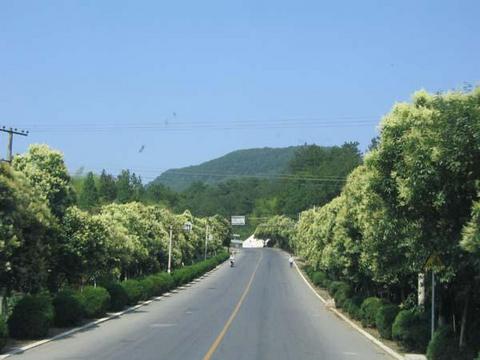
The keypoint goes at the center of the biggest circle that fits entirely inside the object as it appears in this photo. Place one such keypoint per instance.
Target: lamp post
(170, 250)
(187, 227)
(206, 240)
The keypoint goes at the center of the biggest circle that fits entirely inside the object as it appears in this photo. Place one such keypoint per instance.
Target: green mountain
(262, 162)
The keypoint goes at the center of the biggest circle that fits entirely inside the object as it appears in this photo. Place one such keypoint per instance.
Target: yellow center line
(220, 336)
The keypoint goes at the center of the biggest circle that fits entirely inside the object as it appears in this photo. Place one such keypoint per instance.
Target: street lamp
(187, 227)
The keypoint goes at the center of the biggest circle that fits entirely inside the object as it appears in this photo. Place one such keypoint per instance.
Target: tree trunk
(464, 319)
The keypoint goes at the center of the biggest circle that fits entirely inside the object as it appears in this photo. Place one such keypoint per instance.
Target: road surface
(260, 309)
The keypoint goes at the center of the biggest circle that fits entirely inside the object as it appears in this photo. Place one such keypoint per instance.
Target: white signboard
(238, 220)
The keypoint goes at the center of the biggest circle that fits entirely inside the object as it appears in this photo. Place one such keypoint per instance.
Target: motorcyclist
(290, 260)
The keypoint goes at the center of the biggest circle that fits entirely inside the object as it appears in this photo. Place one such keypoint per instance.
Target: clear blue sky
(70, 70)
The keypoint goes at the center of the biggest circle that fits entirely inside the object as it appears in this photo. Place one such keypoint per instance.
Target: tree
(125, 189)
(46, 171)
(88, 197)
(84, 252)
(107, 191)
(27, 233)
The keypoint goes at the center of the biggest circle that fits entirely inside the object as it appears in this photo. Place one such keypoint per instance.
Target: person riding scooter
(232, 260)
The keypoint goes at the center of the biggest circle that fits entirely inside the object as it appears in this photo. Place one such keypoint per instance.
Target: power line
(209, 125)
(292, 177)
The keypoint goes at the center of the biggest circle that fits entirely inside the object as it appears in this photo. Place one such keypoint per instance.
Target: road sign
(238, 220)
(433, 261)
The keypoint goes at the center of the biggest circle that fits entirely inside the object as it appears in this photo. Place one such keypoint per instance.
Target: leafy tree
(88, 197)
(84, 253)
(27, 233)
(125, 189)
(316, 176)
(46, 171)
(107, 190)
(279, 231)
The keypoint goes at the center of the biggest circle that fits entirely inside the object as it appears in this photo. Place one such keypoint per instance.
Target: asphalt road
(260, 309)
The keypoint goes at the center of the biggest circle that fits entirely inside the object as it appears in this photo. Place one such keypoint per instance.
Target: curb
(22, 349)
(370, 337)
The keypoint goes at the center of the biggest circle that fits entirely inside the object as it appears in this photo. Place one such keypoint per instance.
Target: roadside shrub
(384, 319)
(31, 318)
(368, 311)
(478, 356)
(333, 286)
(163, 282)
(352, 307)
(444, 346)
(68, 309)
(148, 287)
(319, 278)
(95, 301)
(3, 333)
(134, 291)
(308, 270)
(342, 294)
(410, 329)
(118, 296)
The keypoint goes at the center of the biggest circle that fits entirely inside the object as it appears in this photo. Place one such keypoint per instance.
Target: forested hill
(261, 161)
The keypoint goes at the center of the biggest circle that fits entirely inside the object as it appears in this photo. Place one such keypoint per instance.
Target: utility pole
(170, 250)
(10, 133)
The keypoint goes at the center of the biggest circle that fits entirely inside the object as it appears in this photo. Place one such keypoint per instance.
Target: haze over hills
(262, 162)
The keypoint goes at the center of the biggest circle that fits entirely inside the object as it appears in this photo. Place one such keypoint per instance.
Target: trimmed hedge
(95, 301)
(68, 308)
(410, 329)
(3, 333)
(384, 319)
(148, 288)
(352, 307)
(319, 278)
(162, 282)
(368, 311)
(31, 318)
(342, 294)
(188, 273)
(444, 346)
(118, 296)
(134, 291)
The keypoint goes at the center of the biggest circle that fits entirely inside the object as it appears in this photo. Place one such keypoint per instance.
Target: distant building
(252, 242)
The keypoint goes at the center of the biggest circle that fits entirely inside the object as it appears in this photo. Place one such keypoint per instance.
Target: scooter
(232, 262)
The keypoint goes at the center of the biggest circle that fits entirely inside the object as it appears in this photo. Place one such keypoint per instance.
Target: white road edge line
(83, 327)
(377, 342)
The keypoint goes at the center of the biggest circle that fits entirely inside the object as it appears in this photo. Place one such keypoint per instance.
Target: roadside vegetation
(411, 208)
(67, 255)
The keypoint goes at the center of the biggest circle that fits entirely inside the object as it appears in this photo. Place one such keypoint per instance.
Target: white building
(252, 242)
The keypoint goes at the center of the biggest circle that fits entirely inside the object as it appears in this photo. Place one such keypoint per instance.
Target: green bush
(31, 318)
(68, 309)
(352, 307)
(410, 329)
(478, 356)
(384, 319)
(118, 296)
(3, 333)
(163, 282)
(134, 291)
(444, 346)
(333, 286)
(148, 287)
(368, 311)
(342, 294)
(319, 278)
(95, 301)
